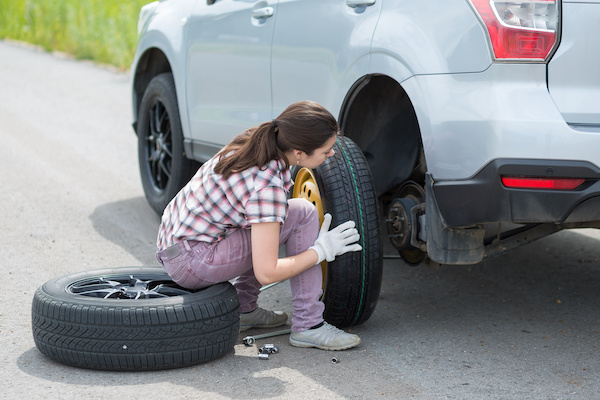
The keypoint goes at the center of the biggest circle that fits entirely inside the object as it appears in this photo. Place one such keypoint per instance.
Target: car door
(320, 48)
(228, 69)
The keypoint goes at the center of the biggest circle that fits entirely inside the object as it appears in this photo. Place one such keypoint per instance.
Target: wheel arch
(379, 117)
(151, 63)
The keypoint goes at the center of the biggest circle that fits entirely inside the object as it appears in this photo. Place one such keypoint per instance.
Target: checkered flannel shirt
(210, 208)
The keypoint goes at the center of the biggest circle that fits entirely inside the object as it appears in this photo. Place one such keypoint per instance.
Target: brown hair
(304, 126)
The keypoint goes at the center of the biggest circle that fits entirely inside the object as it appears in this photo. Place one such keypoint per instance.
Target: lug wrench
(249, 340)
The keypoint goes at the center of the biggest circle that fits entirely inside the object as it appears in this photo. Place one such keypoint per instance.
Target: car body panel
(228, 73)
(483, 199)
(407, 40)
(467, 120)
(307, 41)
(573, 72)
(163, 31)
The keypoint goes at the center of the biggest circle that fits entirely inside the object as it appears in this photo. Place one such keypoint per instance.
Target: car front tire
(164, 167)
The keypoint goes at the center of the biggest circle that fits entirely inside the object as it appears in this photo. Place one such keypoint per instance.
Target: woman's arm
(268, 267)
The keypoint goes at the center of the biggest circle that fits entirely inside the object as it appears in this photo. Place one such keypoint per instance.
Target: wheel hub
(127, 287)
(305, 187)
(158, 146)
(402, 223)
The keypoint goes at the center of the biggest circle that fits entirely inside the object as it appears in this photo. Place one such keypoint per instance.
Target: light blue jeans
(195, 265)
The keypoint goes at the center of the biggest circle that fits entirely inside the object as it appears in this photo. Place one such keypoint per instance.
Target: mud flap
(449, 245)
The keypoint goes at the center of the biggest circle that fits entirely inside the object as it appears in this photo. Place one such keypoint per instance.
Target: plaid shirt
(210, 208)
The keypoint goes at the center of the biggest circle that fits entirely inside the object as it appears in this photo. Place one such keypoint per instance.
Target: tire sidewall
(162, 88)
(133, 334)
(353, 279)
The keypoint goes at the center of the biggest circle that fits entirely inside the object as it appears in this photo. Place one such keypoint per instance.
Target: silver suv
(472, 126)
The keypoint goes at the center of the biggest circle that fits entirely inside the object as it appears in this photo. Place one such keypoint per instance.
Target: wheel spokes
(159, 145)
(127, 288)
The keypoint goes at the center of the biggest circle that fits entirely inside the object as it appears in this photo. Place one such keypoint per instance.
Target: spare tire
(343, 187)
(132, 319)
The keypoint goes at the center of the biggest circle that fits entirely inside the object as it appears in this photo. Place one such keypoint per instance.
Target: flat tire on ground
(132, 319)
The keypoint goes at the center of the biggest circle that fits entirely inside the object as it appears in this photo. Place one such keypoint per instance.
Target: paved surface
(521, 326)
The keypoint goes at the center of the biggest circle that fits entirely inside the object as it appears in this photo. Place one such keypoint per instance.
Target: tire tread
(354, 279)
(132, 338)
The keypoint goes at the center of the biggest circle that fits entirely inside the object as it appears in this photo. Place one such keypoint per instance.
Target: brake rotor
(401, 224)
(411, 190)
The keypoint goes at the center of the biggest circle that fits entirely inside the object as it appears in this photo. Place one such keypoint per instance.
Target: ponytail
(303, 126)
(255, 147)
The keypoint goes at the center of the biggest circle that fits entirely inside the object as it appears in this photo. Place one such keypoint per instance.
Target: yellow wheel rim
(305, 187)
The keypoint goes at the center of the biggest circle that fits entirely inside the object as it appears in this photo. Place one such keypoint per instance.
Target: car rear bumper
(505, 112)
(484, 199)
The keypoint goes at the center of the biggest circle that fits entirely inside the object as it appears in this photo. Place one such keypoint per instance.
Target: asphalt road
(521, 326)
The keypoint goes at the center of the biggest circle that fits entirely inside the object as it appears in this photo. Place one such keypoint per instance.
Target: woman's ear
(293, 156)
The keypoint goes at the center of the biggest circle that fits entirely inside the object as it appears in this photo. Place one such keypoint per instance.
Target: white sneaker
(261, 318)
(327, 337)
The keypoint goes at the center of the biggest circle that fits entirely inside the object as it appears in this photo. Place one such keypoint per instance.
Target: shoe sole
(297, 343)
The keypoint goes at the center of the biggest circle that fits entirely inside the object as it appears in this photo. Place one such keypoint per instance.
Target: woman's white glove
(335, 242)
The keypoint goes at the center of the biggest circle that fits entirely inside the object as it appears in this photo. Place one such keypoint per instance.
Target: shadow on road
(130, 224)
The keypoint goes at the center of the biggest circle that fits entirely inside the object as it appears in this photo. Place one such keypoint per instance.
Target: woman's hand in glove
(335, 242)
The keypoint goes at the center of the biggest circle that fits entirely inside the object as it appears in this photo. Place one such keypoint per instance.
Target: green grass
(104, 31)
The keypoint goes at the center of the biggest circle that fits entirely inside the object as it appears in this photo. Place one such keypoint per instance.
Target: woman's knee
(301, 226)
(303, 211)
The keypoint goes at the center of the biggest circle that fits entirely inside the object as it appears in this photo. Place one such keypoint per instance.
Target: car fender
(163, 32)
(407, 40)
(348, 79)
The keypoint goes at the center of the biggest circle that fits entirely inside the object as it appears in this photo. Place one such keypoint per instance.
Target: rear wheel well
(379, 117)
(152, 63)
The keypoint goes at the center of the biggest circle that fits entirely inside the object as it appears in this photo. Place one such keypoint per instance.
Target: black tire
(90, 320)
(353, 279)
(164, 167)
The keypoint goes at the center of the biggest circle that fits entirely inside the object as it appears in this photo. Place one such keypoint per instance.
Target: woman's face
(318, 156)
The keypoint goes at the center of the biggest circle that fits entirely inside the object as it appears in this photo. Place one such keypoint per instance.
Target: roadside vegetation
(104, 31)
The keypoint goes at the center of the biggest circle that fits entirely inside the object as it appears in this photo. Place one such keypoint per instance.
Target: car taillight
(517, 182)
(520, 30)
